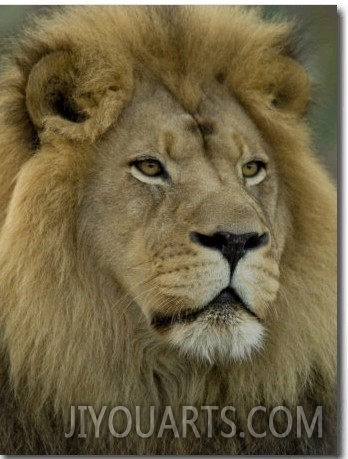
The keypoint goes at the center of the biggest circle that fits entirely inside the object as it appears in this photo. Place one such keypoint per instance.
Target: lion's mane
(63, 340)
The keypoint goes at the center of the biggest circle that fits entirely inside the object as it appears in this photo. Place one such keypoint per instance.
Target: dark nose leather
(232, 246)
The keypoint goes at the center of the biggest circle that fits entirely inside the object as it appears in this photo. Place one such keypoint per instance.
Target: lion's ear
(65, 99)
(291, 89)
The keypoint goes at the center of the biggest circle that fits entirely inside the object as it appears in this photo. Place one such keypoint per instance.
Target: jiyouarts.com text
(120, 422)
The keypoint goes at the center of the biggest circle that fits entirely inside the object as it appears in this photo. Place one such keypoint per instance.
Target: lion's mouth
(226, 299)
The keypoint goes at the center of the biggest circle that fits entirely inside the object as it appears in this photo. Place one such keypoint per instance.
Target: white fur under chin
(206, 341)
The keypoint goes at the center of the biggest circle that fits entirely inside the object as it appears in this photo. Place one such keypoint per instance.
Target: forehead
(155, 117)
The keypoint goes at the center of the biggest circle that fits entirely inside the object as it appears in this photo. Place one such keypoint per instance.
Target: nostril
(256, 241)
(220, 240)
(216, 241)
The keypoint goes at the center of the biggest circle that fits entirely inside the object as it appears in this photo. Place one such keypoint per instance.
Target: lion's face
(183, 209)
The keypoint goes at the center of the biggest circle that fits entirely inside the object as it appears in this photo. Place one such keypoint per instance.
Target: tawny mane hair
(64, 340)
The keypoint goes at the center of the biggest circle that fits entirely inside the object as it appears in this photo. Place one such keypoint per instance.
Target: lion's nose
(232, 246)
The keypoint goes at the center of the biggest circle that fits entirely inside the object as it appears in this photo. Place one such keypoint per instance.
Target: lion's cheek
(198, 286)
(257, 283)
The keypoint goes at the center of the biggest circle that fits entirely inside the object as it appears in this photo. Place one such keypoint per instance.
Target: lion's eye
(149, 167)
(252, 168)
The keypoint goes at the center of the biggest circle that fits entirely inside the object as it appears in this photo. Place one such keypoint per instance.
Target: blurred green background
(320, 25)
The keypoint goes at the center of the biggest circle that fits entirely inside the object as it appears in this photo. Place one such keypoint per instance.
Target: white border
(192, 2)
(343, 11)
(343, 354)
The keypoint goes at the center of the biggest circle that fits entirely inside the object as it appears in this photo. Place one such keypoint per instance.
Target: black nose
(232, 246)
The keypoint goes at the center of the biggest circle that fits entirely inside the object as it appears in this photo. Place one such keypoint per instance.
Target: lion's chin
(223, 330)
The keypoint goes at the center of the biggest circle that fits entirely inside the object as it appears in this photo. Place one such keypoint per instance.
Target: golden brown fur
(72, 332)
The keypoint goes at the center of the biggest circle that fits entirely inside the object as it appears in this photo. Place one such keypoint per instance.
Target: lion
(168, 238)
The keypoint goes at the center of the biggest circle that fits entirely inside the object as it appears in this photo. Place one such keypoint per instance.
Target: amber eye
(252, 168)
(149, 167)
